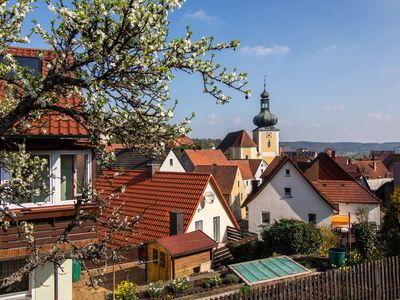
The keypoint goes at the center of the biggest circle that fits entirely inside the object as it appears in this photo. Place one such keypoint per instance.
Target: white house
(286, 193)
(172, 163)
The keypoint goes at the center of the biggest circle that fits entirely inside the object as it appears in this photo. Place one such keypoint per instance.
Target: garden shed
(179, 255)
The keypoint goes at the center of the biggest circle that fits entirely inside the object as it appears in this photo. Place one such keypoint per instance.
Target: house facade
(62, 143)
(172, 163)
(286, 193)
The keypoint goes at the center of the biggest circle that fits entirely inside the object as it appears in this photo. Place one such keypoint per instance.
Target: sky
(332, 67)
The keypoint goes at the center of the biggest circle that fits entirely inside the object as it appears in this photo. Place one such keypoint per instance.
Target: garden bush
(213, 282)
(126, 290)
(329, 240)
(365, 239)
(289, 236)
(180, 285)
(390, 230)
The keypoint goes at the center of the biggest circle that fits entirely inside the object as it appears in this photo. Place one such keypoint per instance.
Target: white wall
(305, 200)
(43, 282)
(261, 168)
(176, 164)
(207, 214)
(373, 216)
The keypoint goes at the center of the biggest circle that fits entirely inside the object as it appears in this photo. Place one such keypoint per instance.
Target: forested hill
(343, 147)
(340, 147)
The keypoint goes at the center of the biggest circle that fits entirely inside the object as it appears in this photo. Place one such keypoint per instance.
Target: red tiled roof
(244, 166)
(345, 191)
(52, 123)
(254, 165)
(236, 139)
(187, 243)
(153, 199)
(224, 175)
(182, 140)
(372, 169)
(206, 157)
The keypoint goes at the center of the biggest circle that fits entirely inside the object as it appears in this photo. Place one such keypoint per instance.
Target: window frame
(217, 231)
(54, 176)
(155, 256)
(315, 218)
(268, 213)
(288, 192)
(163, 259)
(287, 173)
(171, 162)
(27, 294)
(198, 222)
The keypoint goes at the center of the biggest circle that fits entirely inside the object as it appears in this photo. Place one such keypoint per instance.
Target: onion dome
(265, 118)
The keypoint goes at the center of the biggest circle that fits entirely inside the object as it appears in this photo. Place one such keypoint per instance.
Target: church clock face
(269, 135)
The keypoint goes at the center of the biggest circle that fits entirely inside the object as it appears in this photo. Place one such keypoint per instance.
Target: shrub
(126, 290)
(365, 237)
(329, 240)
(232, 278)
(180, 285)
(289, 236)
(391, 224)
(155, 290)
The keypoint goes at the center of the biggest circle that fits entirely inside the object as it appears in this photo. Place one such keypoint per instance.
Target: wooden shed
(179, 255)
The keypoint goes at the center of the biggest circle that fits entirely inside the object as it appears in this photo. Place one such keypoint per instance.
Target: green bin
(337, 256)
(76, 270)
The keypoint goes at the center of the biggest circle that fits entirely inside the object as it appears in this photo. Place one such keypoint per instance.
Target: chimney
(254, 186)
(175, 222)
(374, 165)
(152, 168)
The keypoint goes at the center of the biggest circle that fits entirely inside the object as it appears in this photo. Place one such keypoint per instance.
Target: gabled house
(166, 201)
(238, 145)
(230, 181)
(286, 193)
(341, 189)
(172, 162)
(63, 143)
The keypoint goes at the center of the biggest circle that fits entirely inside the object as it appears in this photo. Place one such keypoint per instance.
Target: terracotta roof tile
(53, 123)
(244, 166)
(187, 243)
(153, 199)
(372, 169)
(224, 175)
(236, 139)
(206, 157)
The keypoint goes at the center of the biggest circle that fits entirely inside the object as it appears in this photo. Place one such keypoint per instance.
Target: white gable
(304, 200)
(172, 163)
(207, 213)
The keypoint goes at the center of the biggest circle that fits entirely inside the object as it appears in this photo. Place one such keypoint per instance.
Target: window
(247, 183)
(155, 256)
(171, 162)
(238, 183)
(312, 218)
(198, 225)
(67, 175)
(33, 63)
(247, 157)
(269, 143)
(162, 259)
(287, 172)
(288, 192)
(216, 227)
(266, 217)
(9, 267)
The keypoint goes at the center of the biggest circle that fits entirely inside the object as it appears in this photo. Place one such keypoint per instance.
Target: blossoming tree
(117, 57)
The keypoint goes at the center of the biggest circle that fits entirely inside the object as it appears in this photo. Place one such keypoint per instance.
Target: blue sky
(332, 66)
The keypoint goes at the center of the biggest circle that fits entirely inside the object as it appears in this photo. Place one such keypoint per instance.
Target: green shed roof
(268, 269)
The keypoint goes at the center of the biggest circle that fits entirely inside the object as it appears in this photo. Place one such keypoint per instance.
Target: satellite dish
(209, 197)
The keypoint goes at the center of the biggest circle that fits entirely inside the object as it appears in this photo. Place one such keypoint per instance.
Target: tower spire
(265, 118)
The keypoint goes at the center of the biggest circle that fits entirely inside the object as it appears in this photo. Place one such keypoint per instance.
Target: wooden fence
(375, 280)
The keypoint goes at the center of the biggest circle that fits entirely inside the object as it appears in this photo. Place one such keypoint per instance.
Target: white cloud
(329, 49)
(379, 116)
(200, 14)
(285, 122)
(264, 51)
(333, 107)
(213, 119)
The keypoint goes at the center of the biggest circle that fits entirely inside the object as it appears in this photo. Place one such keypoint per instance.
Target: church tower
(266, 136)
